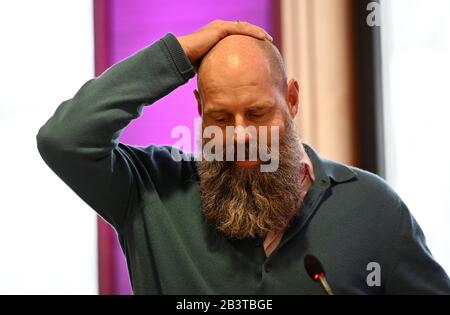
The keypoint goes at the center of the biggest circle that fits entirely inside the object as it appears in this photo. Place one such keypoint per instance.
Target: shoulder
(363, 194)
(373, 185)
(361, 183)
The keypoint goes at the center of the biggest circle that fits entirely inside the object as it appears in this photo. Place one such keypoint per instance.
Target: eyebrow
(215, 111)
(255, 107)
(263, 106)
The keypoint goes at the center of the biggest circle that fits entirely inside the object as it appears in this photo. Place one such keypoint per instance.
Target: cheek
(211, 133)
(277, 123)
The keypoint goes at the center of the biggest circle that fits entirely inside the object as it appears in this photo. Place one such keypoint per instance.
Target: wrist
(182, 41)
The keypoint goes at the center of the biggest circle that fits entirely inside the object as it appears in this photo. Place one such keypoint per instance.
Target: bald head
(241, 59)
(242, 82)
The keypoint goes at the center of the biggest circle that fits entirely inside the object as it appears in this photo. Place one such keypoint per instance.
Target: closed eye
(256, 115)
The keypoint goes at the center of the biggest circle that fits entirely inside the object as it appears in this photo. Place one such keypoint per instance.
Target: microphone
(315, 270)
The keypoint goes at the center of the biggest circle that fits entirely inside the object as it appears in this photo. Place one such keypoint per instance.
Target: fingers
(243, 28)
(196, 44)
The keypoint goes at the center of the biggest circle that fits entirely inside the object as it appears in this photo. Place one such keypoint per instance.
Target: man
(226, 227)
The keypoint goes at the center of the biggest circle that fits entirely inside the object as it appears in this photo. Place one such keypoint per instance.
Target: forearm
(91, 121)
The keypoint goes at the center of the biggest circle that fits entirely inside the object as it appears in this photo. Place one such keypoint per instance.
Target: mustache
(245, 151)
(267, 154)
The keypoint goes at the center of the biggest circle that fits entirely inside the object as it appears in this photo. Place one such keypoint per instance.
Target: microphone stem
(325, 285)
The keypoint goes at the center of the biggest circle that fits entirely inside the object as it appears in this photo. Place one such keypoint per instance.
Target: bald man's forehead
(238, 58)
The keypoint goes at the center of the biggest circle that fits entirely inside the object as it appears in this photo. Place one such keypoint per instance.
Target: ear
(199, 102)
(293, 97)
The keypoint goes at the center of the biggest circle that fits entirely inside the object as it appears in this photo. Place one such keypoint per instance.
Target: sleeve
(413, 268)
(80, 141)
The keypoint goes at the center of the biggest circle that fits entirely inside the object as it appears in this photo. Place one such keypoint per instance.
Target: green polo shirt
(350, 218)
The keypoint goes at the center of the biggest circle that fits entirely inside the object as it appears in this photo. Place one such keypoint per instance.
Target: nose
(241, 134)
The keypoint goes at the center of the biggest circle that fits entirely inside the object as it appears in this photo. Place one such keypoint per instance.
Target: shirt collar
(325, 169)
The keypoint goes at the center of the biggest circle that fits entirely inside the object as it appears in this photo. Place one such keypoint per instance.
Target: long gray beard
(245, 203)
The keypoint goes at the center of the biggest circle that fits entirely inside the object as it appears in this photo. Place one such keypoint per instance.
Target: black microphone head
(313, 267)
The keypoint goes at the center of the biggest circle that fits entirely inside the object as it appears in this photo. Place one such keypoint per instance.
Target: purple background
(136, 24)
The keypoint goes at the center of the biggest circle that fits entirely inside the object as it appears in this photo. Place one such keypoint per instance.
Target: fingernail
(269, 38)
